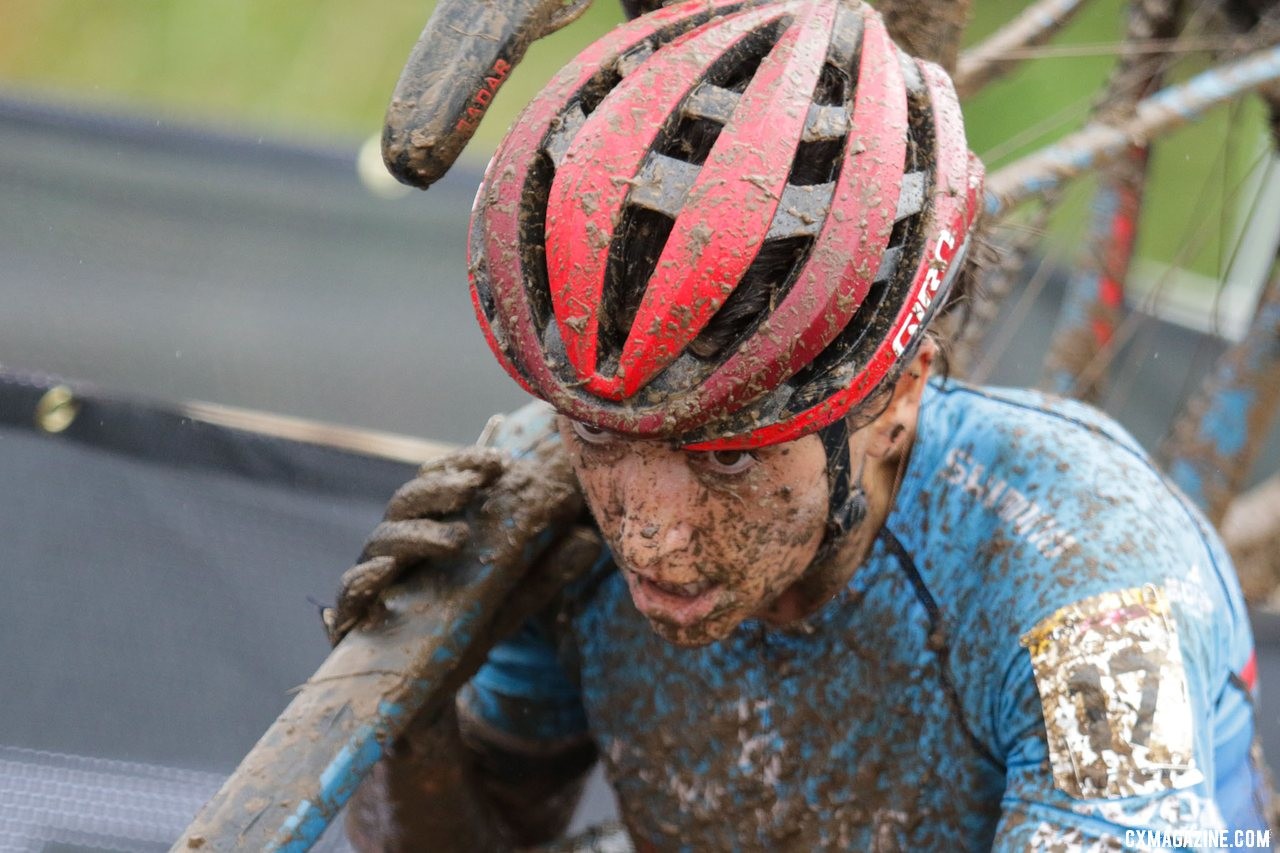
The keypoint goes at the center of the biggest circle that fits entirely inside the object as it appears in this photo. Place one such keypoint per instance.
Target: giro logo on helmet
(944, 253)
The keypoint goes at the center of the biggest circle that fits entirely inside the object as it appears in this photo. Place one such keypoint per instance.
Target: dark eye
(591, 434)
(727, 461)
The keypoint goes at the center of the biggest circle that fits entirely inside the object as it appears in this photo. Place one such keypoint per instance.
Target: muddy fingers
(393, 548)
(359, 590)
(473, 498)
(446, 485)
(416, 539)
(420, 526)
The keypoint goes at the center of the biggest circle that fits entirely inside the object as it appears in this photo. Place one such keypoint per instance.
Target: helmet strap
(846, 508)
(846, 501)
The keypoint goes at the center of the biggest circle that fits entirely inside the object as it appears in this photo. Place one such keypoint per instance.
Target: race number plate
(1114, 695)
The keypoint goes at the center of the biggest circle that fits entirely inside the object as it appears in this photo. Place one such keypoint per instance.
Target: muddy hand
(421, 525)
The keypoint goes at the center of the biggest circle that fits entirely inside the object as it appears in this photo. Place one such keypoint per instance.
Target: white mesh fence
(53, 803)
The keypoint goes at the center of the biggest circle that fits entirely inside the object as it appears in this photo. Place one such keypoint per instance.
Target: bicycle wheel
(1214, 440)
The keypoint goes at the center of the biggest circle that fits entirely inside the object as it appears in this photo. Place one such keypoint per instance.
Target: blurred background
(191, 209)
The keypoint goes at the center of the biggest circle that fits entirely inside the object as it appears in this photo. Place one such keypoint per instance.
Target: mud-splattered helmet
(725, 223)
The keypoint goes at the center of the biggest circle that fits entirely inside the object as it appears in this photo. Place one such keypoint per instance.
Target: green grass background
(320, 69)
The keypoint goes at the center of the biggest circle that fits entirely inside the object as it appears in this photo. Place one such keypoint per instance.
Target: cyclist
(850, 603)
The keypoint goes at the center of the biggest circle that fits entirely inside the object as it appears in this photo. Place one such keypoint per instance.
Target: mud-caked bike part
(464, 55)
(525, 543)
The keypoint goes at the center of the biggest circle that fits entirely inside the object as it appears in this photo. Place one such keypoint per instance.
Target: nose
(656, 511)
(646, 543)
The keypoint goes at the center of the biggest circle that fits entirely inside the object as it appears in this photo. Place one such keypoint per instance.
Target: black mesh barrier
(157, 572)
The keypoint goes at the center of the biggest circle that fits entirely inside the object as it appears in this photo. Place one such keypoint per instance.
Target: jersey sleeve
(524, 726)
(1108, 721)
(523, 695)
(1095, 622)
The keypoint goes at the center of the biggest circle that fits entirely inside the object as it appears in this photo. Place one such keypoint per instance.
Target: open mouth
(681, 603)
(680, 590)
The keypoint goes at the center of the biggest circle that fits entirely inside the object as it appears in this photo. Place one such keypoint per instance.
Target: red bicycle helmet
(789, 144)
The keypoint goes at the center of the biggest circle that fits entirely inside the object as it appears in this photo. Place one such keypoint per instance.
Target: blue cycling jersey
(1047, 646)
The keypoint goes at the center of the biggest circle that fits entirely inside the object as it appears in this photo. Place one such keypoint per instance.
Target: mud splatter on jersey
(908, 714)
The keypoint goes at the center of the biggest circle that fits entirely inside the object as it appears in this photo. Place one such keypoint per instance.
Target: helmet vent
(763, 286)
(911, 77)
(911, 196)
(693, 130)
(832, 88)
(633, 256)
(565, 128)
(888, 262)
(712, 102)
(736, 68)
(817, 162)
(533, 254)
(484, 291)
(702, 116)
(846, 40)
(823, 376)
(590, 96)
(822, 146)
(902, 230)
(825, 123)
(633, 59)
(691, 140)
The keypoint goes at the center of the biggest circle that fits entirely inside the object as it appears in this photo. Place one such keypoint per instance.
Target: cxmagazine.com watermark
(1209, 839)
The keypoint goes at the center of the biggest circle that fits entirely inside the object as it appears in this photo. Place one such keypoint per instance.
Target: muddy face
(704, 539)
